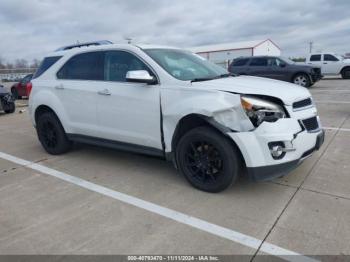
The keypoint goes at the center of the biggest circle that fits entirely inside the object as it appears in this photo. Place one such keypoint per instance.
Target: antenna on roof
(129, 39)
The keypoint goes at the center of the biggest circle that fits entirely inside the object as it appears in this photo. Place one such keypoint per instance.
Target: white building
(223, 54)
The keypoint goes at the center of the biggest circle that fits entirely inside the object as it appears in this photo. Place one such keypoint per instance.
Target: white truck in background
(330, 63)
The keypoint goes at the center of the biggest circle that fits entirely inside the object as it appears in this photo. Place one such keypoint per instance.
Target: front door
(128, 112)
(331, 64)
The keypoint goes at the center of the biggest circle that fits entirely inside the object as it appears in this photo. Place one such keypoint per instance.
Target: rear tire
(302, 80)
(11, 108)
(207, 159)
(345, 74)
(15, 94)
(52, 135)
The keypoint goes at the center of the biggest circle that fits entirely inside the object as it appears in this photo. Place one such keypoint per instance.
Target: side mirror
(282, 65)
(140, 76)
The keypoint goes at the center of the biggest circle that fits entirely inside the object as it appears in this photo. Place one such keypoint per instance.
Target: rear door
(77, 84)
(239, 66)
(128, 112)
(315, 60)
(258, 67)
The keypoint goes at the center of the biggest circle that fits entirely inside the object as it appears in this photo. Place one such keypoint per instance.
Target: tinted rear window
(86, 66)
(258, 62)
(46, 64)
(240, 62)
(315, 58)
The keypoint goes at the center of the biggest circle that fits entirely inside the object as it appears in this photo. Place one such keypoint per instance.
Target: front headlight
(259, 110)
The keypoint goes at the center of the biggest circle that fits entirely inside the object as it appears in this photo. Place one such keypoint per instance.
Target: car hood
(287, 92)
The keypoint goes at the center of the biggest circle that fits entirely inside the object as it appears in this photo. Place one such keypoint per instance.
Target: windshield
(340, 57)
(186, 66)
(287, 60)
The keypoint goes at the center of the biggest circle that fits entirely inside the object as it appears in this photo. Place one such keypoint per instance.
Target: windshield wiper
(226, 75)
(213, 78)
(202, 79)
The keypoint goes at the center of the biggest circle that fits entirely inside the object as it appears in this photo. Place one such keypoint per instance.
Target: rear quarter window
(45, 65)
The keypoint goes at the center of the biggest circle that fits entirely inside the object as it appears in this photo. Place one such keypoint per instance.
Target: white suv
(170, 103)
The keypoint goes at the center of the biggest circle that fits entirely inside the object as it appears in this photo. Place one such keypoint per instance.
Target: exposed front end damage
(257, 147)
(270, 150)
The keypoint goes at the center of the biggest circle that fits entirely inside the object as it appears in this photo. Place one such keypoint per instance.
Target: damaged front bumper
(257, 147)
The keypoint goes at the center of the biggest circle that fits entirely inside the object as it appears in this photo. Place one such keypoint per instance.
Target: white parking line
(337, 128)
(331, 102)
(200, 224)
(331, 90)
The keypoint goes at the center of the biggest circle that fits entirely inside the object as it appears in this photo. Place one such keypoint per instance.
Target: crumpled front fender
(223, 107)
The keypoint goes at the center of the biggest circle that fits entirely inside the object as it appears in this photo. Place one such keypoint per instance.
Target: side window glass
(258, 62)
(240, 62)
(86, 66)
(315, 58)
(118, 63)
(328, 57)
(272, 62)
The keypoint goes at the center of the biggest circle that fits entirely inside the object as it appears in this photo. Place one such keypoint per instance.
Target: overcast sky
(29, 29)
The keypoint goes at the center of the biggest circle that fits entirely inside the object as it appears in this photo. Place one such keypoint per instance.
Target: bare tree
(21, 63)
(2, 63)
(35, 63)
(9, 65)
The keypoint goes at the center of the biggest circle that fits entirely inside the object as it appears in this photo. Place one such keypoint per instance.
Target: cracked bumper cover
(259, 161)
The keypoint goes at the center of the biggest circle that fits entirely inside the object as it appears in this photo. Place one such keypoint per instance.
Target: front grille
(302, 103)
(317, 71)
(311, 124)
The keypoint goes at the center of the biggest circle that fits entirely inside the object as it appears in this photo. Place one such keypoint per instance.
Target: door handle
(60, 87)
(104, 92)
(325, 63)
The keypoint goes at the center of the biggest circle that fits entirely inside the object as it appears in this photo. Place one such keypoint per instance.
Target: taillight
(29, 88)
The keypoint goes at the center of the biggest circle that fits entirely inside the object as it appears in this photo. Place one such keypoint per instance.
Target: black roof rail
(102, 42)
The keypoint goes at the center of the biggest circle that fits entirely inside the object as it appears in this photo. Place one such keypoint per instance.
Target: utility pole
(310, 46)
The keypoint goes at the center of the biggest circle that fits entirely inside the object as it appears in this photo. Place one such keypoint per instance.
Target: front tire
(345, 74)
(52, 135)
(302, 80)
(207, 159)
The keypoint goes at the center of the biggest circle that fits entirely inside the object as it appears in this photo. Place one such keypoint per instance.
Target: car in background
(7, 102)
(276, 68)
(330, 63)
(22, 88)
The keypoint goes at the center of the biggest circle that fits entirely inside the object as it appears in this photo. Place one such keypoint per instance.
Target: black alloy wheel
(204, 161)
(51, 134)
(207, 159)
